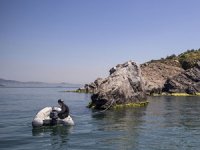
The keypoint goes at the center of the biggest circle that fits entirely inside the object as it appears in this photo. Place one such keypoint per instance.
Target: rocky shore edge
(129, 83)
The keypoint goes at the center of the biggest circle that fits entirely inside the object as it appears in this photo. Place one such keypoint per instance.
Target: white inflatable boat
(42, 118)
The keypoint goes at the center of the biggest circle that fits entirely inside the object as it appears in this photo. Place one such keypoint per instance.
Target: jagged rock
(89, 88)
(155, 75)
(190, 90)
(124, 85)
(92, 87)
(98, 81)
(112, 70)
(188, 81)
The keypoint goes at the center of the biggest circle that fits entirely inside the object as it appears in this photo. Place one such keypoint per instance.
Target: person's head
(60, 102)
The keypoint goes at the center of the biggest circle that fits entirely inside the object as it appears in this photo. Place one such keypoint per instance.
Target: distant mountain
(13, 83)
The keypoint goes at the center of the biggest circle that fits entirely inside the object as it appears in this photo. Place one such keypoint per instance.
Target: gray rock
(124, 85)
(98, 82)
(187, 81)
(155, 75)
(92, 87)
(89, 88)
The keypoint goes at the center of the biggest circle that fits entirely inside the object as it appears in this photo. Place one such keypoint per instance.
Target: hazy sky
(79, 40)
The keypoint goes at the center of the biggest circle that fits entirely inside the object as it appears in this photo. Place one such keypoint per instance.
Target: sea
(166, 123)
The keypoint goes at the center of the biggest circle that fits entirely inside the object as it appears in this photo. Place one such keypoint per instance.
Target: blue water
(167, 123)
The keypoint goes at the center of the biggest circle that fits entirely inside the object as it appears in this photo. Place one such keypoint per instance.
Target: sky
(77, 41)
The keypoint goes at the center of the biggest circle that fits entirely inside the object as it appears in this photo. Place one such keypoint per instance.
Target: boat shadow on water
(58, 135)
(52, 130)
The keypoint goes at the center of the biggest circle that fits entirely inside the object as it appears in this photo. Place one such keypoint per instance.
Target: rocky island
(124, 85)
(129, 83)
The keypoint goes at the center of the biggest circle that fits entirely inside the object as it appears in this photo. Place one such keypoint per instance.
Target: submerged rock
(123, 85)
(186, 82)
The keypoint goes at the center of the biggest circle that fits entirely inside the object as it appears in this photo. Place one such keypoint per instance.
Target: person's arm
(63, 109)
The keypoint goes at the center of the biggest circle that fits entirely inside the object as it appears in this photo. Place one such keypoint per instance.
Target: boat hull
(42, 118)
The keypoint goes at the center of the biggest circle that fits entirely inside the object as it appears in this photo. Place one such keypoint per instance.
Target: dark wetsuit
(64, 111)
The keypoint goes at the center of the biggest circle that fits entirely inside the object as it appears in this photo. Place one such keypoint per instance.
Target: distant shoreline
(154, 94)
(18, 84)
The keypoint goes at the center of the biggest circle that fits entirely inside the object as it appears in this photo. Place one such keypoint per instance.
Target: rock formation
(155, 75)
(123, 85)
(92, 87)
(185, 82)
(128, 83)
(157, 72)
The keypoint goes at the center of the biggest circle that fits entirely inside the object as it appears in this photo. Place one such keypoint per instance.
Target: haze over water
(166, 123)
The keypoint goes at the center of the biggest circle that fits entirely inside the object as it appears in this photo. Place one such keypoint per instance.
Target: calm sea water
(167, 123)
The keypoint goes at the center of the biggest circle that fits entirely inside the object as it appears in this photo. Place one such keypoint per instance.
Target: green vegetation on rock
(175, 94)
(118, 106)
(185, 60)
(140, 104)
(189, 58)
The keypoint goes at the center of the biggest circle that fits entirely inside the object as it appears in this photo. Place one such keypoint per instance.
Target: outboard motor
(54, 116)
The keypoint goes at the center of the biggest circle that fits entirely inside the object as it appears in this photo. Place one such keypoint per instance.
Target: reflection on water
(119, 127)
(58, 135)
(167, 123)
(171, 123)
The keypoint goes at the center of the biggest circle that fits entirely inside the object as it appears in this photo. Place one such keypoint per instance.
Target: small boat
(44, 118)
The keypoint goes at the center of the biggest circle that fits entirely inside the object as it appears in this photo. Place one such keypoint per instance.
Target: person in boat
(64, 113)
